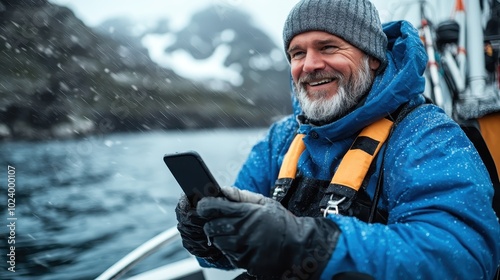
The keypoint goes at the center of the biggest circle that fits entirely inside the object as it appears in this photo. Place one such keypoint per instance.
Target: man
(422, 207)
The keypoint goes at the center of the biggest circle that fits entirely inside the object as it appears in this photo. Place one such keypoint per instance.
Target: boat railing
(130, 260)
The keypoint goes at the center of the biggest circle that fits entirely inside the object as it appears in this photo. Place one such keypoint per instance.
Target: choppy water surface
(83, 204)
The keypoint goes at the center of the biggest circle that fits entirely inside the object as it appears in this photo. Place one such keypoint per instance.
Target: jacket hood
(400, 82)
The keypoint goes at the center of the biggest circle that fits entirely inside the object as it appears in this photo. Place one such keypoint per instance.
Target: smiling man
(364, 180)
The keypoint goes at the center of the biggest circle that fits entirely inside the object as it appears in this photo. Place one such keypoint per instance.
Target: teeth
(321, 82)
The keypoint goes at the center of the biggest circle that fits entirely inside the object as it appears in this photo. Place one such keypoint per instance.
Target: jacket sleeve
(260, 170)
(439, 195)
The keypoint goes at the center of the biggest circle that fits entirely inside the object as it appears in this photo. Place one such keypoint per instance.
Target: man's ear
(374, 63)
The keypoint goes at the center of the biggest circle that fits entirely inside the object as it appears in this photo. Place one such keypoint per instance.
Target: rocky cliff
(60, 78)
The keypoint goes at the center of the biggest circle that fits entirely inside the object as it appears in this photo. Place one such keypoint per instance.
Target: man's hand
(190, 226)
(257, 233)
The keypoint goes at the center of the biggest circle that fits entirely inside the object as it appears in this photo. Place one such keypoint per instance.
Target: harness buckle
(332, 206)
(279, 192)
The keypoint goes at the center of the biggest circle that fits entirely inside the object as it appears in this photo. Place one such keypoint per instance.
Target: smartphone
(193, 176)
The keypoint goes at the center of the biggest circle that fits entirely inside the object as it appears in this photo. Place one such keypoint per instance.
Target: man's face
(330, 74)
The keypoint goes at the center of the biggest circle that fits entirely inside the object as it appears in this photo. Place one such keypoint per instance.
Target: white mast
(478, 99)
(461, 51)
(475, 46)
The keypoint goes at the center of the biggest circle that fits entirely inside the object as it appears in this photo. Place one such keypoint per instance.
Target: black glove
(190, 226)
(257, 233)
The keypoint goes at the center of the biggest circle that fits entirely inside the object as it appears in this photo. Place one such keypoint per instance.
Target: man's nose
(312, 62)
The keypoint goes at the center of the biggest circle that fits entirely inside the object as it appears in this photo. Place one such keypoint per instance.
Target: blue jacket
(435, 187)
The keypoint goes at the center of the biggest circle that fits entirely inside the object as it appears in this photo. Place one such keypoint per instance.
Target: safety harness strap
(288, 169)
(351, 172)
(289, 166)
(356, 162)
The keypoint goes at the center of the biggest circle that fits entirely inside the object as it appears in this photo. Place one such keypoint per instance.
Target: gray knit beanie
(356, 21)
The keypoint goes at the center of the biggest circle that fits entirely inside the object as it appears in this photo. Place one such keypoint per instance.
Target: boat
(459, 80)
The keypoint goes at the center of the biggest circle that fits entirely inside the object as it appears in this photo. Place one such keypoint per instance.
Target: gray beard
(347, 96)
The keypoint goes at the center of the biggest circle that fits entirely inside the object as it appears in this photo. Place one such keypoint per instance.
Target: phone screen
(193, 176)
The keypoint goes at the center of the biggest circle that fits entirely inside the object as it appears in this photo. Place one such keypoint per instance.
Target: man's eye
(297, 55)
(330, 48)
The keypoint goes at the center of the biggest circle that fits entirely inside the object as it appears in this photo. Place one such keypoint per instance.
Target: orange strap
(355, 164)
(490, 130)
(289, 167)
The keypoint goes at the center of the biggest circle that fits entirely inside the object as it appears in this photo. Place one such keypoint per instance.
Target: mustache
(319, 75)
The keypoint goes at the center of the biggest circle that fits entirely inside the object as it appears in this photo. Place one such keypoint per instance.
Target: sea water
(81, 205)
